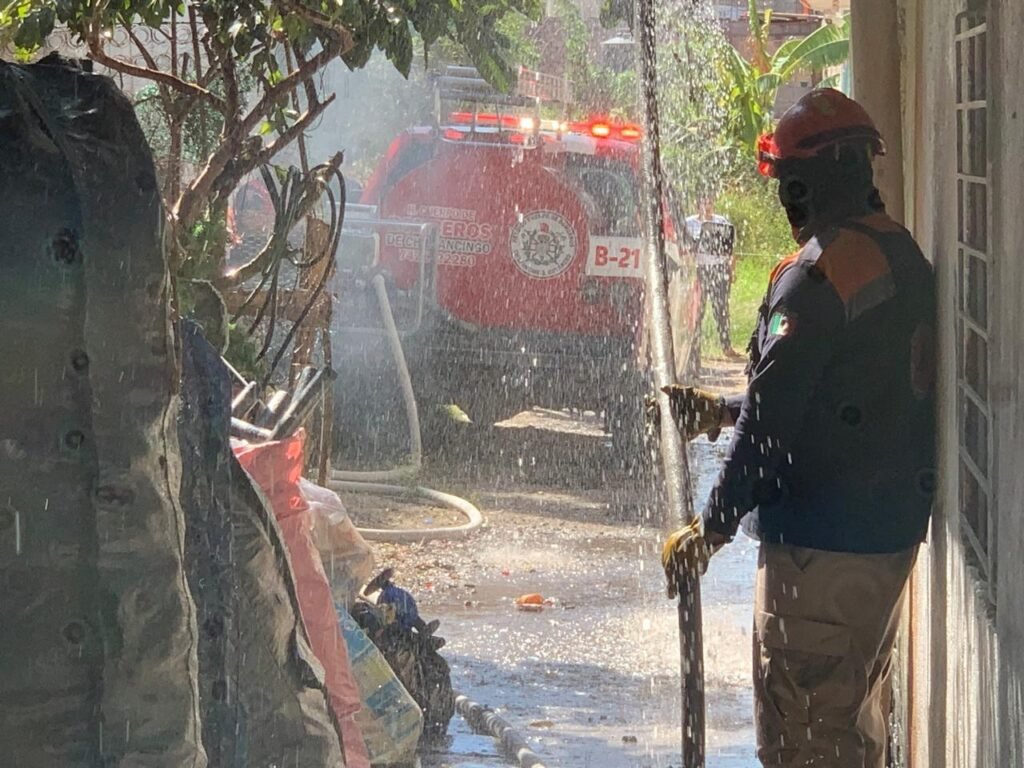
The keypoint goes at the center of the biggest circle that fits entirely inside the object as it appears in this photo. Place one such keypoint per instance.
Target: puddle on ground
(597, 670)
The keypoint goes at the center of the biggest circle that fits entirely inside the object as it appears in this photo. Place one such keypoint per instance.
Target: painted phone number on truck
(444, 258)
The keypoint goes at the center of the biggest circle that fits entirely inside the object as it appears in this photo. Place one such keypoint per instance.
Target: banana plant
(753, 85)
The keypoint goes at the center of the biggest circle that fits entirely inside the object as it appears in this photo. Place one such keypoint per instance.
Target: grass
(762, 238)
(747, 293)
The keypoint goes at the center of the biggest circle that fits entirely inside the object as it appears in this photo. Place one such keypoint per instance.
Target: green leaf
(28, 37)
(400, 49)
(768, 83)
(266, 127)
(825, 47)
(825, 56)
(781, 54)
(281, 173)
(243, 45)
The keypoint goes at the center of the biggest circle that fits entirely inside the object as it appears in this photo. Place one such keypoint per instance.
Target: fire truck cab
(510, 243)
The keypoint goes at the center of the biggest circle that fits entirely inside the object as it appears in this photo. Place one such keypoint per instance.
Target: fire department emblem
(543, 244)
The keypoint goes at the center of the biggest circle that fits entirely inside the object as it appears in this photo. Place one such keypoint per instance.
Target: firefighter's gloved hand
(687, 551)
(652, 411)
(696, 411)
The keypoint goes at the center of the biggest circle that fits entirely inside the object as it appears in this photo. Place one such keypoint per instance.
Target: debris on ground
(532, 602)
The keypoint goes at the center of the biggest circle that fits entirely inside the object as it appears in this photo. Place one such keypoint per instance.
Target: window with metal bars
(974, 270)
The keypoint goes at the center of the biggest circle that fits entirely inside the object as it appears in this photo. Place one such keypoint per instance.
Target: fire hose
(480, 718)
(674, 461)
(408, 398)
(376, 482)
(484, 720)
(282, 414)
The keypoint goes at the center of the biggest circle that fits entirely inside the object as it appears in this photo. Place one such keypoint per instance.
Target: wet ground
(592, 680)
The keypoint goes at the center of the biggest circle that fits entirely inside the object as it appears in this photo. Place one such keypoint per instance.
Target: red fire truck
(509, 242)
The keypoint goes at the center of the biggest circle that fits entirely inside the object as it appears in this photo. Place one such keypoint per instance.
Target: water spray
(675, 465)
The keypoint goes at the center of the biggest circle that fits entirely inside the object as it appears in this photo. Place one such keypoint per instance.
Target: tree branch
(323, 21)
(311, 99)
(222, 54)
(150, 61)
(234, 137)
(228, 166)
(193, 28)
(211, 57)
(100, 56)
(291, 81)
(187, 209)
(311, 96)
(294, 130)
(223, 168)
(241, 166)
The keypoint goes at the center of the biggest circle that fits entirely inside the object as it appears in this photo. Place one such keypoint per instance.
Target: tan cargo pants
(825, 623)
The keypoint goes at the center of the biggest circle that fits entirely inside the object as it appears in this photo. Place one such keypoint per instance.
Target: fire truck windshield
(610, 192)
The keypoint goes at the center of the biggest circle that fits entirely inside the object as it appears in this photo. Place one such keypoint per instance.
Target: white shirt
(707, 254)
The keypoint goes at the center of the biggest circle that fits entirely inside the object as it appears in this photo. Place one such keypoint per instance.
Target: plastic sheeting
(390, 720)
(346, 556)
(261, 697)
(97, 628)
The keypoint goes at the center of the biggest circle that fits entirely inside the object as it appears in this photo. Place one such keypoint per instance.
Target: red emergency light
(606, 129)
(487, 119)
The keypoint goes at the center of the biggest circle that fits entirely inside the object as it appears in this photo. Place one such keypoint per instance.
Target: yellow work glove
(684, 550)
(696, 411)
(689, 549)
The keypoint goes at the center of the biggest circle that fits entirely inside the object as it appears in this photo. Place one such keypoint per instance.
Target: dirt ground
(591, 679)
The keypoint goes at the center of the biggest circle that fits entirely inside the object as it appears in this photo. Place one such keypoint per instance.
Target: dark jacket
(835, 437)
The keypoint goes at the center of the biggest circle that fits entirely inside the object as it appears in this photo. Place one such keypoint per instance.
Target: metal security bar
(974, 273)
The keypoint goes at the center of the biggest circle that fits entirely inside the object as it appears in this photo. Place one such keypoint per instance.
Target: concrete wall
(1007, 137)
(781, 29)
(967, 665)
(875, 54)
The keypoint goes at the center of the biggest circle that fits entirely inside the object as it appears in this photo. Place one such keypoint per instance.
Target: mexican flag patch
(781, 324)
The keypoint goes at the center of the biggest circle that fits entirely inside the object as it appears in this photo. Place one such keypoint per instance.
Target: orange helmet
(822, 118)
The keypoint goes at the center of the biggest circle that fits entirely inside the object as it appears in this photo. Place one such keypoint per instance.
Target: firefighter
(831, 461)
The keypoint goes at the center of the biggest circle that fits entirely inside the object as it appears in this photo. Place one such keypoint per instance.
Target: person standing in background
(711, 237)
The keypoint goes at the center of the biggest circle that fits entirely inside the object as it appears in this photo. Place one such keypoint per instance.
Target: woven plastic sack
(390, 720)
